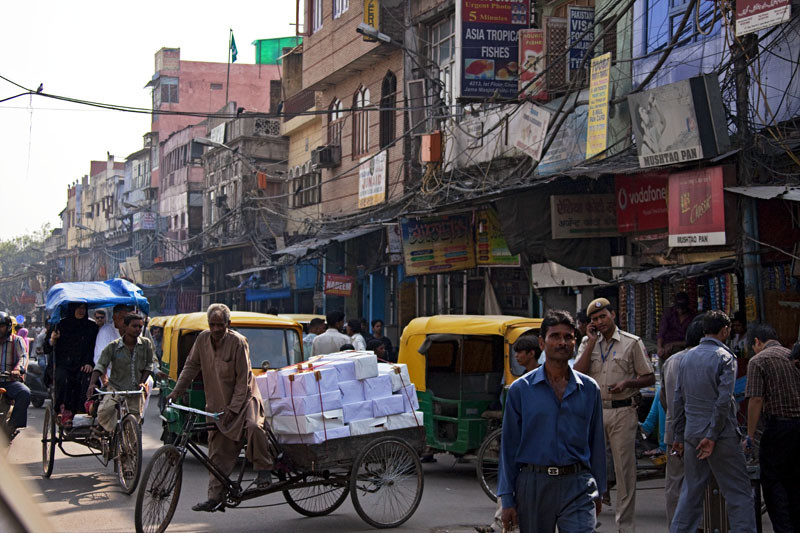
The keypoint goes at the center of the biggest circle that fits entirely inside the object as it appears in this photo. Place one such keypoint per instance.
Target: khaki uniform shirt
(625, 358)
(126, 367)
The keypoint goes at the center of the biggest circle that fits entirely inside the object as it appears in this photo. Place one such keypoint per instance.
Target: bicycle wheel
(128, 453)
(159, 492)
(48, 442)
(386, 482)
(319, 499)
(488, 463)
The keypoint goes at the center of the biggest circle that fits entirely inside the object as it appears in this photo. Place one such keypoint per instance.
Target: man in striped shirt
(13, 361)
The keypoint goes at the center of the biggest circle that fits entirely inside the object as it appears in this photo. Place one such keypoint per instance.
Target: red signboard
(755, 15)
(532, 57)
(338, 285)
(697, 208)
(641, 202)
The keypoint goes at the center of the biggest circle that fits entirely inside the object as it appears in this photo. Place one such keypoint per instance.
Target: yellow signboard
(372, 16)
(597, 121)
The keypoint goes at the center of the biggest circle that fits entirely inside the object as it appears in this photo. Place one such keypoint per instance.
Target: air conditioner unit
(326, 156)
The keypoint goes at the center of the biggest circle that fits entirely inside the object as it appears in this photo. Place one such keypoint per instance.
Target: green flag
(234, 51)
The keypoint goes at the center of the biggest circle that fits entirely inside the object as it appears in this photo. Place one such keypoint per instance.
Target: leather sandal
(209, 506)
(263, 479)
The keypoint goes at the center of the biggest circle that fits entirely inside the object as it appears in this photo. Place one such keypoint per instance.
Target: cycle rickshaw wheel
(128, 453)
(489, 463)
(386, 482)
(159, 491)
(48, 442)
(316, 500)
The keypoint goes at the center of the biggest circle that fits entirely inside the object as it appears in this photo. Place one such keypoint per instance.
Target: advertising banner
(530, 127)
(533, 58)
(394, 239)
(642, 202)
(372, 180)
(492, 249)
(338, 285)
(569, 147)
(372, 17)
(579, 19)
(488, 48)
(583, 217)
(597, 120)
(438, 244)
(755, 15)
(697, 208)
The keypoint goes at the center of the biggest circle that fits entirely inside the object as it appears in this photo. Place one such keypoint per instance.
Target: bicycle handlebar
(180, 407)
(98, 392)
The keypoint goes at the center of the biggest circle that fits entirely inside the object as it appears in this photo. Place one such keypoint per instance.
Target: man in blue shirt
(705, 427)
(552, 456)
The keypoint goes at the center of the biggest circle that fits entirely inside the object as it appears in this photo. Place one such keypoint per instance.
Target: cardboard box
(352, 391)
(357, 411)
(366, 364)
(345, 369)
(305, 383)
(410, 400)
(391, 405)
(398, 372)
(377, 387)
(318, 437)
(306, 405)
(405, 420)
(304, 424)
(270, 384)
(369, 425)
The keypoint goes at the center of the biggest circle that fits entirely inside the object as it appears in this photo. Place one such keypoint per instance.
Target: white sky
(99, 51)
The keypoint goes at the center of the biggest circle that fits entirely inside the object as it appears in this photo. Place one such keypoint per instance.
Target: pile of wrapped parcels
(338, 395)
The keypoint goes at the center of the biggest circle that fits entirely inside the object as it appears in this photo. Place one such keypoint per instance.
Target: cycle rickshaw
(380, 471)
(123, 446)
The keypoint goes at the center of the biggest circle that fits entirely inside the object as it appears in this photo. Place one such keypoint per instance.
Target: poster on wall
(487, 48)
(394, 240)
(372, 180)
(642, 202)
(569, 146)
(697, 207)
(580, 21)
(755, 15)
(491, 247)
(438, 244)
(339, 285)
(529, 127)
(584, 216)
(532, 58)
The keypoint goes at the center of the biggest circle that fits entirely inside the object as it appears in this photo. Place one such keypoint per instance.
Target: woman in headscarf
(72, 342)
(23, 332)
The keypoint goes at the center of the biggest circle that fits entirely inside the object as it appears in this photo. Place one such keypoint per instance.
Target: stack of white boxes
(338, 395)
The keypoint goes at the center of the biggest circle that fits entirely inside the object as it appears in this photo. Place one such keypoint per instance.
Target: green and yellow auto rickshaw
(460, 365)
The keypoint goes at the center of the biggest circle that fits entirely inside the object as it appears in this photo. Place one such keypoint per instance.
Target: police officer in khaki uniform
(619, 363)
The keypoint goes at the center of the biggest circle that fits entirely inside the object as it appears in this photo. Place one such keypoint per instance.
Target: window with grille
(442, 52)
(361, 122)
(316, 16)
(306, 185)
(169, 90)
(335, 122)
(339, 7)
(388, 110)
(663, 17)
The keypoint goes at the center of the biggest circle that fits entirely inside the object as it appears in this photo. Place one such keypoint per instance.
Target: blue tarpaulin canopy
(94, 294)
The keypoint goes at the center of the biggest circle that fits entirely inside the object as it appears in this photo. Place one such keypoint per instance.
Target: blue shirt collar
(539, 375)
(712, 340)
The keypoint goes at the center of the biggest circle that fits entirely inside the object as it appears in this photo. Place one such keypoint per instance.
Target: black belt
(614, 404)
(554, 470)
(771, 418)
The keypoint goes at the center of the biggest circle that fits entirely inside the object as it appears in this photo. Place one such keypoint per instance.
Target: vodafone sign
(642, 202)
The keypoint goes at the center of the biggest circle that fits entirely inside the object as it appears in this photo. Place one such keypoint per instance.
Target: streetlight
(373, 33)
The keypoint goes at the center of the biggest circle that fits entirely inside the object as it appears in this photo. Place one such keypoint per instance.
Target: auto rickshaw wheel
(386, 482)
(488, 463)
(319, 499)
(159, 492)
(128, 453)
(48, 442)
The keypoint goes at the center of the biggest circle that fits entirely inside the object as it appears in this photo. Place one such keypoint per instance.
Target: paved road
(82, 496)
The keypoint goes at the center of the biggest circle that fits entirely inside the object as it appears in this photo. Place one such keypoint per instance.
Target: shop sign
(372, 180)
(697, 208)
(530, 127)
(439, 244)
(755, 15)
(580, 19)
(145, 221)
(642, 202)
(583, 216)
(394, 238)
(339, 285)
(217, 134)
(487, 48)
(597, 119)
(532, 57)
(491, 247)
(569, 146)
(372, 17)
(679, 122)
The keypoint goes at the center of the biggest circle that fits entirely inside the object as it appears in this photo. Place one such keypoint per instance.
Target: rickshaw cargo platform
(341, 452)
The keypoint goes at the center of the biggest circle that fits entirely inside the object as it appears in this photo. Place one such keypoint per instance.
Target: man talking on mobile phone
(618, 361)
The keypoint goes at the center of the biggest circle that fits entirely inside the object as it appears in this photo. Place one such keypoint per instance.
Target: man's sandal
(209, 506)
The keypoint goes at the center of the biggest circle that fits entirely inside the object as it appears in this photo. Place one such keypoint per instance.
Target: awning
(303, 248)
(550, 275)
(768, 192)
(683, 271)
(176, 279)
(252, 270)
(257, 295)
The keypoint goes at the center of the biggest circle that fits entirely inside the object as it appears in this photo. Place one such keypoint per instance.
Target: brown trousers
(223, 452)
